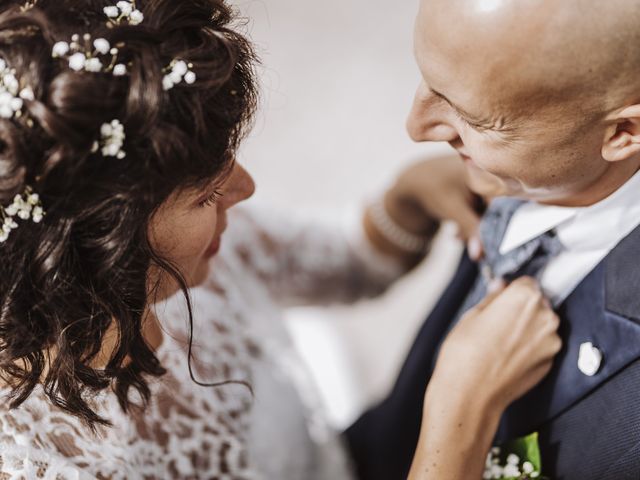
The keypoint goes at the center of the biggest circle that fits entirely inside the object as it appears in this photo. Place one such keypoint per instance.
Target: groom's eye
(474, 125)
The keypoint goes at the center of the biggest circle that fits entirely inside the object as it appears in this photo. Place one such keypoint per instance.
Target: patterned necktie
(528, 259)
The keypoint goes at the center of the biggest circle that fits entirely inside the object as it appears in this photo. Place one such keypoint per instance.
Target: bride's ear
(622, 136)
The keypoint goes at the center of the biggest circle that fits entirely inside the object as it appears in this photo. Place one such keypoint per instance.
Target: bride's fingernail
(495, 285)
(474, 247)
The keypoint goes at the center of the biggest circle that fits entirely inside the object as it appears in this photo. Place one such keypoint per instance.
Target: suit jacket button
(589, 359)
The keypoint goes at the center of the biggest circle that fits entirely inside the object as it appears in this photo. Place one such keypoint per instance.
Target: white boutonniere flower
(516, 460)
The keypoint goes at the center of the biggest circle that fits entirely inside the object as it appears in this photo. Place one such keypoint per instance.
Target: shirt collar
(578, 228)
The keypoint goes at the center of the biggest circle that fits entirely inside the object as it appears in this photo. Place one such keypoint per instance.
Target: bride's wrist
(470, 420)
(389, 231)
(455, 435)
(405, 211)
(464, 396)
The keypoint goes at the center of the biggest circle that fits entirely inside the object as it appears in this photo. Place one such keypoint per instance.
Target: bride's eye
(212, 199)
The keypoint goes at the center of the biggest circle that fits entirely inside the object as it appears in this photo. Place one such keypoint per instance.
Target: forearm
(310, 259)
(456, 435)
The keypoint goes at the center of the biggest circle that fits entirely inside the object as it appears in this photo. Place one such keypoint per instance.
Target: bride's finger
(497, 289)
(475, 248)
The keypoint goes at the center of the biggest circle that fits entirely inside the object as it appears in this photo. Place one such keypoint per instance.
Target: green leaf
(533, 451)
(527, 449)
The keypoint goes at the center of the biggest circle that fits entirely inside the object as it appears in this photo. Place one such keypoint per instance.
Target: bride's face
(188, 228)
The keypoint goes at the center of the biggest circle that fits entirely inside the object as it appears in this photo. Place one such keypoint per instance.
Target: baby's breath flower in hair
(119, 70)
(28, 5)
(91, 56)
(102, 46)
(26, 206)
(124, 11)
(60, 49)
(11, 96)
(176, 72)
(112, 139)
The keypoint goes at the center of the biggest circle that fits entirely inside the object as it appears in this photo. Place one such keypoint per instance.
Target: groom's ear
(622, 137)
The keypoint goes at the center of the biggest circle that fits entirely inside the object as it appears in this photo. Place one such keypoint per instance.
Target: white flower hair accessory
(112, 139)
(177, 72)
(12, 97)
(26, 206)
(124, 11)
(28, 5)
(97, 56)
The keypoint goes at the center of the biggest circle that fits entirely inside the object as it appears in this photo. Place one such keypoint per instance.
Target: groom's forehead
(458, 31)
(557, 46)
(452, 63)
(487, 58)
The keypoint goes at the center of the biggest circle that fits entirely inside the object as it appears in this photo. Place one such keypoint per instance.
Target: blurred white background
(338, 79)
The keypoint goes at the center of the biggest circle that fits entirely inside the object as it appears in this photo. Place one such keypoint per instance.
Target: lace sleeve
(167, 440)
(302, 260)
(39, 441)
(26, 462)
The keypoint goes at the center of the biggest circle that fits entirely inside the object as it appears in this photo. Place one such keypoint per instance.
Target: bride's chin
(201, 273)
(168, 286)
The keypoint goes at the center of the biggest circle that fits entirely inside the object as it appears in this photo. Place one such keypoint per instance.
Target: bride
(136, 343)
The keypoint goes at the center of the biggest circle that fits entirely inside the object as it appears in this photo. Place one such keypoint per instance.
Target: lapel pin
(589, 359)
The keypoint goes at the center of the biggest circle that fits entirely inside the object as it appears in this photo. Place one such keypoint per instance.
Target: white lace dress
(221, 433)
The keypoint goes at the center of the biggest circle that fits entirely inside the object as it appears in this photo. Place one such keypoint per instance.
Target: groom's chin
(485, 184)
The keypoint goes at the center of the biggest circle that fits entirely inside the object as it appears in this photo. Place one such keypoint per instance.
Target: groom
(541, 99)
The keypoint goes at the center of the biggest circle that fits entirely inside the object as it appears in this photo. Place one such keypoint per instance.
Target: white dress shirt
(588, 234)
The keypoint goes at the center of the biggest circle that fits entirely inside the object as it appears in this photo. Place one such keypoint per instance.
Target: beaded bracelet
(395, 234)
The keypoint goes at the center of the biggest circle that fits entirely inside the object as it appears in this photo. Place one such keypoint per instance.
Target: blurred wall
(338, 79)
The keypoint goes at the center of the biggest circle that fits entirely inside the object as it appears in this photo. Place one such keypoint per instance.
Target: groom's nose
(429, 119)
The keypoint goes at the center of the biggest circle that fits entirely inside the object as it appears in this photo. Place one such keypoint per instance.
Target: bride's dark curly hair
(64, 281)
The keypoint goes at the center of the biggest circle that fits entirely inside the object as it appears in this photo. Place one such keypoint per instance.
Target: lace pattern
(223, 433)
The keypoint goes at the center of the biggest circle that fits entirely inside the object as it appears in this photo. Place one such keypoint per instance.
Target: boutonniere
(516, 460)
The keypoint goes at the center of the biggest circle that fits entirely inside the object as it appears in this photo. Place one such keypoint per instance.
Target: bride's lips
(215, 245)
(214, 248)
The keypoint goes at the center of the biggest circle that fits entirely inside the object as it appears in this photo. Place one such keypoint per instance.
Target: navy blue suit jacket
(589, 426)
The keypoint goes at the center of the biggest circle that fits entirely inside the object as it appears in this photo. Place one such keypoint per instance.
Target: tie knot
(527, 259)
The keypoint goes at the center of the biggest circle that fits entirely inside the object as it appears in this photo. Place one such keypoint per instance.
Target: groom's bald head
(527, 70)
(534, 44)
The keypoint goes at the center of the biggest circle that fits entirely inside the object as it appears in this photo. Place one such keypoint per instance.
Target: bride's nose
(239, 187)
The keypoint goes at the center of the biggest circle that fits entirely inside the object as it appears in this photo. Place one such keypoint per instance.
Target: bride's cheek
(184, 237)
(199, 235)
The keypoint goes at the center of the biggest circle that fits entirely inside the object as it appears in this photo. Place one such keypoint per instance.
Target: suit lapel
(603, 310)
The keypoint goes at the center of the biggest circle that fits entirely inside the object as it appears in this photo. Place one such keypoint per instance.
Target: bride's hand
(497, 352)
(431, 191)
(424, 195)
(504, 346)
